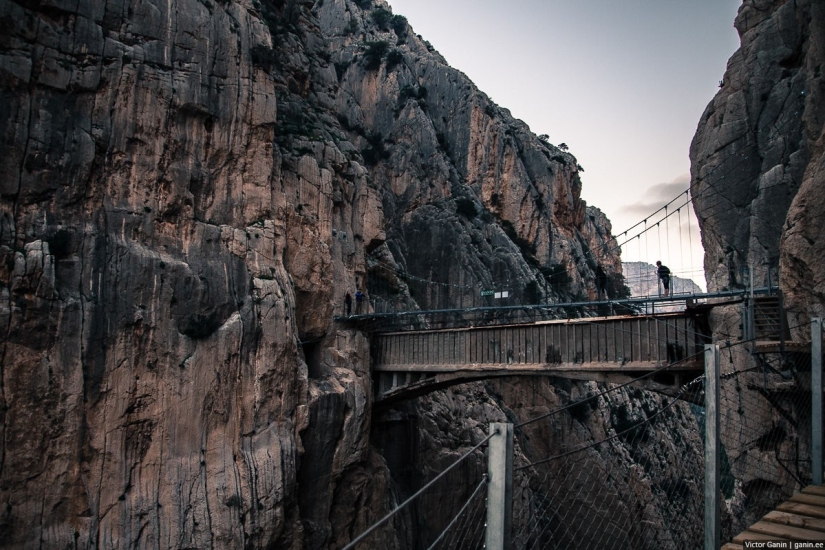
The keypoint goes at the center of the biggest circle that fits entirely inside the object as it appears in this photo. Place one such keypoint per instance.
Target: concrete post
(499, 487)
(816, 401)
(713, 523)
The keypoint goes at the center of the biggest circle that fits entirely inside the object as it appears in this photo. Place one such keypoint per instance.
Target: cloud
(656, 197)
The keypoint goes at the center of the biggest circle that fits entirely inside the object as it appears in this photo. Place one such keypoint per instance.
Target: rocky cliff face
(472, 199)
(164, 261)
(188, 189)
(757, 173)
(758, 153)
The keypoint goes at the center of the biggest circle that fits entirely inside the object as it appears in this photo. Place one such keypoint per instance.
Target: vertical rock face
(758, 153)
(154, 260)
(757, 183)
(472, 198)
(188, 189)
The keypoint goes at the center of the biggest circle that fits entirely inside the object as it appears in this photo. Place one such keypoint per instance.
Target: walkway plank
(804, 498)
(818, 490)
(802, 509)
(802, 518)
(786, 531)
(753, 535)
(795, 520)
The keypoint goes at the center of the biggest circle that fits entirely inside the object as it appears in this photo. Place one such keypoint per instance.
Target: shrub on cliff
(616, 287)
(382, 18)
(399, 25)
(374, 54)
(394, 58)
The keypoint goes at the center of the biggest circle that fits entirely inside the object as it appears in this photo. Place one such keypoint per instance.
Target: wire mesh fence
(640, 482)
(765, 423)
(446, 512)
(636, 484)
(466, 529)
(620, 467)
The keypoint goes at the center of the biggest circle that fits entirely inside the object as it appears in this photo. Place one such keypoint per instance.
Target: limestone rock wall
(757, 177)
(757, 154)
(472, 198)
(164, 263)
(188, 189)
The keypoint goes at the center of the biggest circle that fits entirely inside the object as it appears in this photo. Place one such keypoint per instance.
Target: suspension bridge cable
(481, 484)
(650, 215)
(612, 437)
(667, 235)
(659, 237)
(418, 493)
(606, 392)
(647, 241)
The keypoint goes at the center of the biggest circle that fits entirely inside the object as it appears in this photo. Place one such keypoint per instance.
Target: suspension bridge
(409, 364)
(661, 472)
(613, 348)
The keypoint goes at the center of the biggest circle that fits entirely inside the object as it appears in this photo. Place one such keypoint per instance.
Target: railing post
(816, 400)
(780, 307)
(713, 468)
(499, 487)
(752, 317)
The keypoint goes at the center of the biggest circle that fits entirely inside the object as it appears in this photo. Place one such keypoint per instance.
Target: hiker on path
(664, 275)
(601, 282)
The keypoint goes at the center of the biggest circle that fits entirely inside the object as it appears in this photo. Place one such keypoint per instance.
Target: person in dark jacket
(601, 283)
(348, 304)
(664, 275)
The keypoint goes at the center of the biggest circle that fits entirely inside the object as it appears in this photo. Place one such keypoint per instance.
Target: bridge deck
(582, 348)
(618, 341)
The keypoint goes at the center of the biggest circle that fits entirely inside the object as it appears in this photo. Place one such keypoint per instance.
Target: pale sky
(622, 82)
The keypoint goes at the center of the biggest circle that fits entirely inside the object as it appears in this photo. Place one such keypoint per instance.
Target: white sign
(504, 294)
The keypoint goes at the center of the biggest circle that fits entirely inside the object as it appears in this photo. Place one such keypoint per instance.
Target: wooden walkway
(802, 518)
(615, 349)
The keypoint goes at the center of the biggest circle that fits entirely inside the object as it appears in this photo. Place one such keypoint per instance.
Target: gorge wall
(188, 189)
(757, 184)
(757, 156)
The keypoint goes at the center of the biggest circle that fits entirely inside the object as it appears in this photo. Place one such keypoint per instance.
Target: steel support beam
(713, 523)
(816, 401)
(499, 487)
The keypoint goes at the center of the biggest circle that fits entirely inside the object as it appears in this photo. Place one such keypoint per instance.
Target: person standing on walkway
(601, 283)
(359, 301)
(664, 275)
(348, 304)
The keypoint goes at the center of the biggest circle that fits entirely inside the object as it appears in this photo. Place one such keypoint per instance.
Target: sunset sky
(622, 82)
